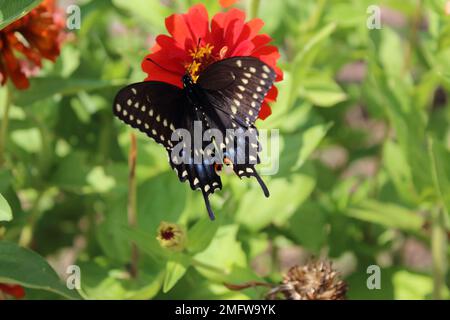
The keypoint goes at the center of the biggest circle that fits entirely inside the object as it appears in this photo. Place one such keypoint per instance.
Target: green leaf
(411, 286)
(223, 253)
(175, 270)
(322, 91)
(387, 214)
(46, 87)
(5, 210)
(256, 211)
(150, 12)
(201, 234)
(10, 11)
(399, 170)
(27, 268)
(103, 279)
(310, 139)
(308, 226)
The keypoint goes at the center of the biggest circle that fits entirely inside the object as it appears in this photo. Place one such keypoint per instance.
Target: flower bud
(171, 236)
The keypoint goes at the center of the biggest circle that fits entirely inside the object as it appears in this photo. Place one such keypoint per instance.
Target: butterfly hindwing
(155, 108)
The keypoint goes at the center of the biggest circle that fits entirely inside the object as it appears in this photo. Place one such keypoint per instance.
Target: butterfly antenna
(208, 206)
(160, 66)
(262, 184)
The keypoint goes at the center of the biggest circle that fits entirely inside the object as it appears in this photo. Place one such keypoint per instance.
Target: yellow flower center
(201, 58)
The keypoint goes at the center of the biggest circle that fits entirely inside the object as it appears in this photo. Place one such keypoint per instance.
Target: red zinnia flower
(14, 290)
(26, 41)
(227, 36)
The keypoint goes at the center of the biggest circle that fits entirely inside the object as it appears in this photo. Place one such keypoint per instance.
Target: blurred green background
(364, 165)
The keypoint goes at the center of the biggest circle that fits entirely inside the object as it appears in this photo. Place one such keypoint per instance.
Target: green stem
(439, 240)
(132, 211)
(253, 8)
(439, 253)
(4, 125)
(26, 235)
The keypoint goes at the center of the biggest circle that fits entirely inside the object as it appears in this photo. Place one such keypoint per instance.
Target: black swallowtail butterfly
(228, 94)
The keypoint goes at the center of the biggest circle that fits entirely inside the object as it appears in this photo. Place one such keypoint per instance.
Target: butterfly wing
(238, 86)
(235, 89)
(200, 173)
(158, 109)
(155, 108)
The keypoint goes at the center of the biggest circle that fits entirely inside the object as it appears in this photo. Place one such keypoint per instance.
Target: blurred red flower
(13, 290)
(227, 3)
(227, 36)
(26, 41)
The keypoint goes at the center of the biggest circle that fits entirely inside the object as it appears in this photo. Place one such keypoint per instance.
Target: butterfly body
(226, 96)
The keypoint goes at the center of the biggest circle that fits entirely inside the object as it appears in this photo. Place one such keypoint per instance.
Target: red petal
(255, 26)
(26, 51)
(234, 14)
(167, 60)
(261, 40)
(198, 22)
(265, 111)
(16, 291)
(171, 49)
(232, 34)
(12, 67)
(177, 27)
(155, 74)
(272, 94)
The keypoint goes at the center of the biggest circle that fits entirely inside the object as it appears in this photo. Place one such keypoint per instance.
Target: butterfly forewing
(155, 108)
(237, 86)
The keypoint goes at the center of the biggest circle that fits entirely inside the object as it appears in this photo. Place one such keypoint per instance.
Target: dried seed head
(314, 281)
